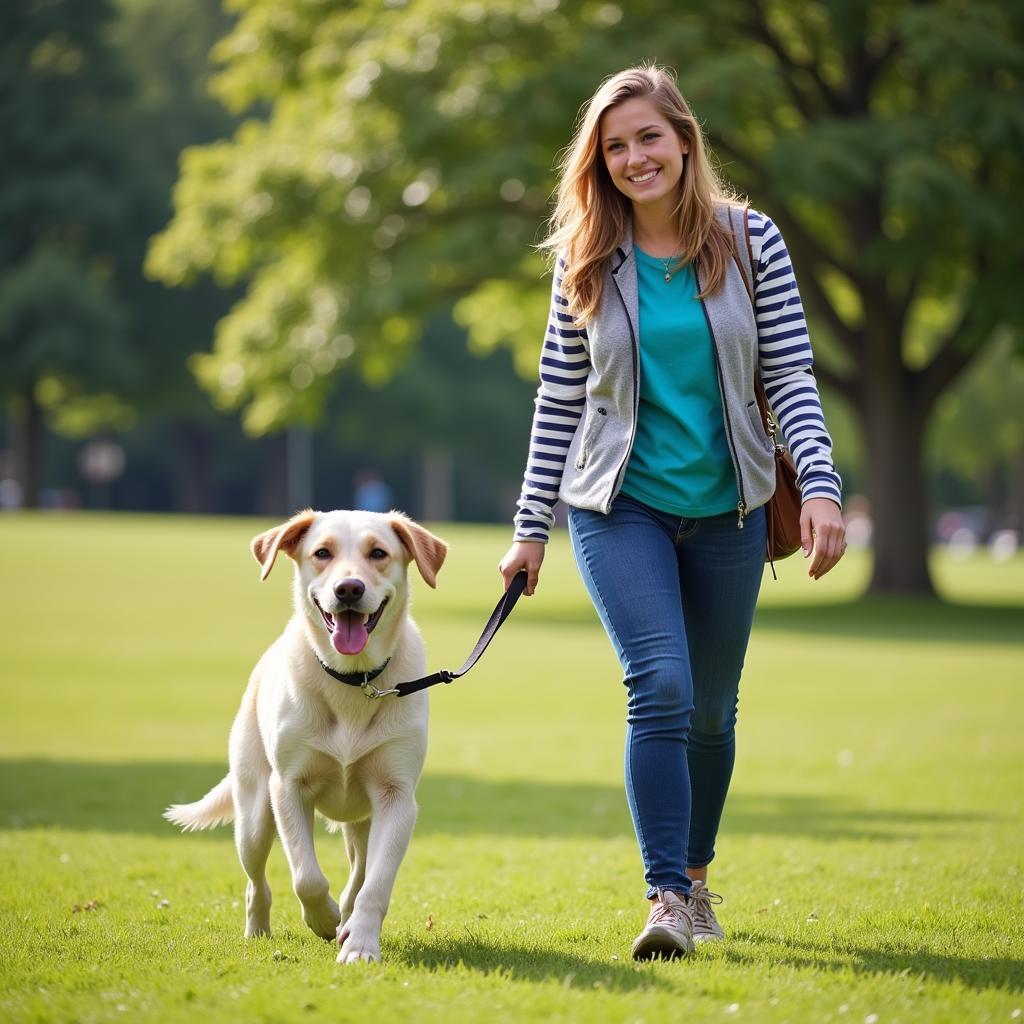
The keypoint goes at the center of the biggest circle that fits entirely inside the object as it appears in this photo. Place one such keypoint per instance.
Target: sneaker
(669, 930)
(705, 925)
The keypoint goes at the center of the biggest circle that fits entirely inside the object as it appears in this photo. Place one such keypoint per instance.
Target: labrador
(304, 742)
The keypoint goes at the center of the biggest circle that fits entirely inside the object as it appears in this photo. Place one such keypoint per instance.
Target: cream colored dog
(304, 741)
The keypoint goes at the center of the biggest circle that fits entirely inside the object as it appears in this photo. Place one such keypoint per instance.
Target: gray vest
(603, 441)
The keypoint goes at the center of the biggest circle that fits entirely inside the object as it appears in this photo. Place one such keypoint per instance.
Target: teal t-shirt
(680, 461)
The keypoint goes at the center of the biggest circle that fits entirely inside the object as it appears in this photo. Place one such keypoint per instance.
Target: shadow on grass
(131, 798)
(530, 963)
(978, 973)
(868, 618)
(901, 619)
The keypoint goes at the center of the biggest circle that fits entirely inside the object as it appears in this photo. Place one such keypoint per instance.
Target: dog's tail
(216, 808)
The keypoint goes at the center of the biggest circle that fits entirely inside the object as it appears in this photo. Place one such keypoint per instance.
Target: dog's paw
(323, 919)
(356, 945)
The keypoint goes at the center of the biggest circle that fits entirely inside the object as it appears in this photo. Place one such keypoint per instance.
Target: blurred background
(271, 253)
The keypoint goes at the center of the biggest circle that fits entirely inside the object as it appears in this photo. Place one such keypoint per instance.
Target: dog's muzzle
(350, 629)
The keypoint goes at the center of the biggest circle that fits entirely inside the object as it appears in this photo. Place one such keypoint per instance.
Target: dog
(305, 742)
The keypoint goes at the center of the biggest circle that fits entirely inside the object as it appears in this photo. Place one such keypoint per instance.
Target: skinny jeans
(676, 597)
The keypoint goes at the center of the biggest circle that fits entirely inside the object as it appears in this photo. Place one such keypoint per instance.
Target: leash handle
(501, 612)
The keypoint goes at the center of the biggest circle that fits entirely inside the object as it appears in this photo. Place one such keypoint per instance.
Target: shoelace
(700, 902)
(670, 912)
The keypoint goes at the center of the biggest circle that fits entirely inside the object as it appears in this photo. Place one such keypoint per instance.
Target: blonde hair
(591, 214)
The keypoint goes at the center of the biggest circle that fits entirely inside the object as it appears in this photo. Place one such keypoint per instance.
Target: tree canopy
(98, 98)
(397, 157)
(59, 183)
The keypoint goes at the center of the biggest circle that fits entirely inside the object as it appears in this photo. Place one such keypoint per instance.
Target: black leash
(501, 612)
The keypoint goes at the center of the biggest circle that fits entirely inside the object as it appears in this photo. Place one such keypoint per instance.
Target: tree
(483, 436)
(165, 51)
(62, 325)
(406, 161)
(100, 99)
(894, 138)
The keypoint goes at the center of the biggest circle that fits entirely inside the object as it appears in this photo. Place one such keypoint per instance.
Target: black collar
(352, 678)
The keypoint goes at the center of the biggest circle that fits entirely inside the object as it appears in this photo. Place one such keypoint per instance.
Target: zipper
(741, 505)
(636, 389)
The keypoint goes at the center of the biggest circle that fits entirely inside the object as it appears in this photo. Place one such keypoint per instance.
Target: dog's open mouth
(350, 630)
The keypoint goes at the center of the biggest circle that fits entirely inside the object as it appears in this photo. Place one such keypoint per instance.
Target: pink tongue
(350, 635)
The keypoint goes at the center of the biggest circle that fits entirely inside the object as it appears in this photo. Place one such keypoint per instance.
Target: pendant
(668, 277)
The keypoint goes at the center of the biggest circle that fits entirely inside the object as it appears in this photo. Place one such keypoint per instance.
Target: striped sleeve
(564, 365)
(786, 361)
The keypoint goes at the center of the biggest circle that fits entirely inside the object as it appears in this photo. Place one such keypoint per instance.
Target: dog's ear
(427, 551)
(285, 537)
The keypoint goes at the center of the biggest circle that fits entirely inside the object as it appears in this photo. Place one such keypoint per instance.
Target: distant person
(647, 428)
(372, 494)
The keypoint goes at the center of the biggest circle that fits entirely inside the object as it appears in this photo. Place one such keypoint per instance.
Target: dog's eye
(321, 553)
(378, 553)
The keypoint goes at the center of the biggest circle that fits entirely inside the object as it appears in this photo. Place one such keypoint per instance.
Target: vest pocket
(595, 419)
(757, 425)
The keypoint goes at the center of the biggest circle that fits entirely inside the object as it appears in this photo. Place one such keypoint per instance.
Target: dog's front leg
(293, 811)
(391, 825)
(357, 836)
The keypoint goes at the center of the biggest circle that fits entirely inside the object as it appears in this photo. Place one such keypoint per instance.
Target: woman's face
(642, 152)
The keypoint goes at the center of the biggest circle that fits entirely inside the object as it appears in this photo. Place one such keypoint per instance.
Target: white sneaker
(705, 925)
(668, 933)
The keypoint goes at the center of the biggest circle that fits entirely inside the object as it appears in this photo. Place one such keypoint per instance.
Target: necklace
(666, 264)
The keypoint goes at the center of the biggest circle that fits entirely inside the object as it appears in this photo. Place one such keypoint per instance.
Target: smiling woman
(670, 298)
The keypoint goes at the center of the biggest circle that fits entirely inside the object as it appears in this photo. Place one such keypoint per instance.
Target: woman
(647, 427)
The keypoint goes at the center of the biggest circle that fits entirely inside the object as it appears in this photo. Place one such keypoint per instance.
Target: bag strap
(743, 255)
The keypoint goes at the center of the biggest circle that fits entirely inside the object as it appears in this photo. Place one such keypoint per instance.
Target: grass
(872, 853)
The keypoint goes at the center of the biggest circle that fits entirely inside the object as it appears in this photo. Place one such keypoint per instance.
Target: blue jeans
(676, 597)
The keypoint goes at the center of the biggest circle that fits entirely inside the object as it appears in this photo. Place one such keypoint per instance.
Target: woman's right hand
(524, 554)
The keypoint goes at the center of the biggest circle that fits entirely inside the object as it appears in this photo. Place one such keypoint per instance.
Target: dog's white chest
(346, 742)
(341, 794)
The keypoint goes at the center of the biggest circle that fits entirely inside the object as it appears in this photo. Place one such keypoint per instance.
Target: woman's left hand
(822, 535)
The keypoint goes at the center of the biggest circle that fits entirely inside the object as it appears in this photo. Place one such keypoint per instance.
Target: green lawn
(872, 854)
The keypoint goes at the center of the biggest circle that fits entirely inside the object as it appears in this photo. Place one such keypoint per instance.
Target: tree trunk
(272, 495)
(28, 446)
(894, 428)
(194, 477)
(299, 469)
(437, 501)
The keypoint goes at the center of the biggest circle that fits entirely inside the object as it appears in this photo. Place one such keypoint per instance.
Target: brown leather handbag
(782, 512)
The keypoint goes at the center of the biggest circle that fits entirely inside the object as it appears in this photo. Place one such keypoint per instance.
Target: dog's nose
(349, 591)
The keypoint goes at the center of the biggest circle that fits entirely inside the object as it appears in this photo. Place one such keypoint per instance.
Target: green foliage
(978, 428)
(61, 200)
(99, 99)
(400, 158)
(57, 320)
(165, 49)
(489, 422)
(407, 153)
(870, 854)
(374, 181)
(500, 313)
